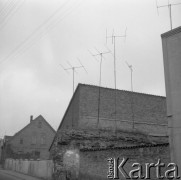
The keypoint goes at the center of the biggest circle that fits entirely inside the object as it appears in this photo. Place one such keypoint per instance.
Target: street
(11, 175)
(4, 176)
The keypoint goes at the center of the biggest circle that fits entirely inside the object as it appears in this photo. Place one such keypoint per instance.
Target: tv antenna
(101, 57)
(132, 108)
(131, 69)
(113, 37)
(169, 5)
(73, 68)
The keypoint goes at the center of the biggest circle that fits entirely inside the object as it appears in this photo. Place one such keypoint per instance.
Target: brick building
(84, 154)
(86, 110)
(86, 137)
(31, 142)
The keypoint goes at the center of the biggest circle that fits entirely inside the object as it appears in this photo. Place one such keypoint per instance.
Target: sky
(38, 37)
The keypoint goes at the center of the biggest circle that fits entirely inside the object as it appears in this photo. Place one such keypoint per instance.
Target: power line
(20, 47)
(49, 27)
(11, 13)
(10, 7)
(33, 33)
(6, 8)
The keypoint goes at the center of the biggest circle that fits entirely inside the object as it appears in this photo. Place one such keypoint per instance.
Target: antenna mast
(132, 109)
(170, 10)
(114, 42)
(113, 37)
(73, 68)
(131, 69)
(101, 57)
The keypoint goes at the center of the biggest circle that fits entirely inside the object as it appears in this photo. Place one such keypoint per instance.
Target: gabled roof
(37, 118)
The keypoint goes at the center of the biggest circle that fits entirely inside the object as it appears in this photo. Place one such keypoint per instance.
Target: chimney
(31, 118)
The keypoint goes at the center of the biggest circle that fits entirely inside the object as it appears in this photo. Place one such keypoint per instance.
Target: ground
(10, 175)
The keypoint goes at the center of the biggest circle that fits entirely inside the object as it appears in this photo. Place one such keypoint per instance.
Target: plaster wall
(171, 44)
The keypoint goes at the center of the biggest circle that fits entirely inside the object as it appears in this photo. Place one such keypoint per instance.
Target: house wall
(171, 44)
(35, 132)
(149, 110)
(70, 119)
(1, 144)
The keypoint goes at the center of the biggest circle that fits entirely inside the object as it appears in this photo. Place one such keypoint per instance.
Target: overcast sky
(36, 36)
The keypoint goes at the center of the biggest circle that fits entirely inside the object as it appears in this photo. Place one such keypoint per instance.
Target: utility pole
(113, 37)
(100, 76)
(170, 10)
(132, 102)
(73, 68)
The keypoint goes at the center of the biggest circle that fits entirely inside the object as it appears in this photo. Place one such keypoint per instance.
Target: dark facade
(1, 146)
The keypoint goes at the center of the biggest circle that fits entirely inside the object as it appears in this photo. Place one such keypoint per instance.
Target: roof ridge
(40, 116)
(103, 87)
(18, 132)
(171, 32)
(126, 147)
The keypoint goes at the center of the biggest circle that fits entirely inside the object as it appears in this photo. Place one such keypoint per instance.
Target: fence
(42, 169)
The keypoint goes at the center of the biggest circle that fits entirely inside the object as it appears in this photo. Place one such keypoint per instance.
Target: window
(20, 152)
(39, 124)
(21, 141)
(33, 140)
(43, 139)
(36, 154)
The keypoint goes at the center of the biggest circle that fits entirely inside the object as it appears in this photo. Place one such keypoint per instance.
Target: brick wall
(70, 119)
(95, 147)
(94, 164)
(149, 110)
